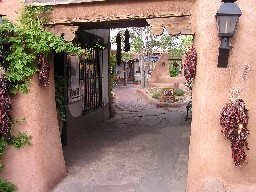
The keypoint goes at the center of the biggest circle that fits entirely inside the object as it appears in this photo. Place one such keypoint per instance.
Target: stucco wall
(115, 10)
(40, 166)
(9, 8)
(211, 166)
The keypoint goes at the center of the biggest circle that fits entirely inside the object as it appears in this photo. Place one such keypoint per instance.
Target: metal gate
(91, 81)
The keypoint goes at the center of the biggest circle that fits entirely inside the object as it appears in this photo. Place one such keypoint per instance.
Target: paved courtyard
(142, 149)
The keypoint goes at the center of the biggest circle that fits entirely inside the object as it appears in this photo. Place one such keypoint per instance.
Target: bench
(188, 107)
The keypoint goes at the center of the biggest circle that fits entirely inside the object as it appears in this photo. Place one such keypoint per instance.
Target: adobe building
(211, 167)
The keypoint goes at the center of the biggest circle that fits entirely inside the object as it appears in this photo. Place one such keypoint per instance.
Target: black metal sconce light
(227, 19)
(1, 19)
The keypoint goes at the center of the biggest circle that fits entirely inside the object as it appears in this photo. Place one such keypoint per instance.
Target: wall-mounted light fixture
(227, 19)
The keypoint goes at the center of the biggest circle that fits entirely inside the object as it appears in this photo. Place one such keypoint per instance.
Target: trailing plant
(29, 43)
(26, 46)
(3, 148)
(6, 186)
(6, 124)
(59, 96)
(178, 92)
(20, 140)
(190, 63)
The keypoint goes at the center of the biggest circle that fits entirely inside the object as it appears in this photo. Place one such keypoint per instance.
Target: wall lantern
(1, 19)
(227, 19)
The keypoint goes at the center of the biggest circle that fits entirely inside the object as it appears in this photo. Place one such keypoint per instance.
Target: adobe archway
(210, 162)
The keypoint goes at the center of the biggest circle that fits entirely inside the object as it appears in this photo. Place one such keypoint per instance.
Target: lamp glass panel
(227, 25)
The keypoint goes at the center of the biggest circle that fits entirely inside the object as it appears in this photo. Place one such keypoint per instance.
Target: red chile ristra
(234, 121)
(5, 107)
(44, 69)
(190, 62)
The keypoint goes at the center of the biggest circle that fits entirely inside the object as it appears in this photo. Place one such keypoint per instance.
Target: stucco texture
(115, 10)
(10, 8)
(40, 166)
(160, 76)
(211, 166)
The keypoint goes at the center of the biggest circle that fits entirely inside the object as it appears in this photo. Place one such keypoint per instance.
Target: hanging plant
(234, 121)
(44, 69)
(190, 63)
(29, 45)
(5, 107)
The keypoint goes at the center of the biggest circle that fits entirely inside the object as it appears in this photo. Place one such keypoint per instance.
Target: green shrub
(174, 69)
(156, 94)
(174, 72)
(6, 186)
(178, 92)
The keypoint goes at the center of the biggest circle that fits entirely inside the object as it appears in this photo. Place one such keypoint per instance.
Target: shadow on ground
(142, 149)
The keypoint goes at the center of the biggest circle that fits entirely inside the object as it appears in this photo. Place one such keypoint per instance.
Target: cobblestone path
(142, 149)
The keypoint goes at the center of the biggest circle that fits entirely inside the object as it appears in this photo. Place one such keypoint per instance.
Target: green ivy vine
(24, 45)
(26, 41)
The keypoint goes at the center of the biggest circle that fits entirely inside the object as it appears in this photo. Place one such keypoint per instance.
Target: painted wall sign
(73, 84)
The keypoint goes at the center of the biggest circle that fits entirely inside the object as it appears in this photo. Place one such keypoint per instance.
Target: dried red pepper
(190, 62)
(44, 69)
(234, 121)
(5, 107)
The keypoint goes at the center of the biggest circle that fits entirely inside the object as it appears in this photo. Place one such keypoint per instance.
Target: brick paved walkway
(142, 149)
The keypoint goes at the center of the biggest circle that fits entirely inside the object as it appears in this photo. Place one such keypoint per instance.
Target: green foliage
(112, 62)
(178, 92)
(6, 186)
(156, 94)
(3, 148)
(26, 40)
(180, 44)
(174, 71)
(21, 140)
(59, 96)
(126, 57)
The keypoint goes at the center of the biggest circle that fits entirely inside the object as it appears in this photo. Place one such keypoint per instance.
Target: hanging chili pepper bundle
(190, 62)
(5, 107)
(44, 69)
(234, 119)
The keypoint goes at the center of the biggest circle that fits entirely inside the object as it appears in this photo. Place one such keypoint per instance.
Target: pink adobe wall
(41, 166)
(9, 8)
(211, 166)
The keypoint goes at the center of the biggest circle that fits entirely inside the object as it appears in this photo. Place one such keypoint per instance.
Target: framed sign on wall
(74, 82)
